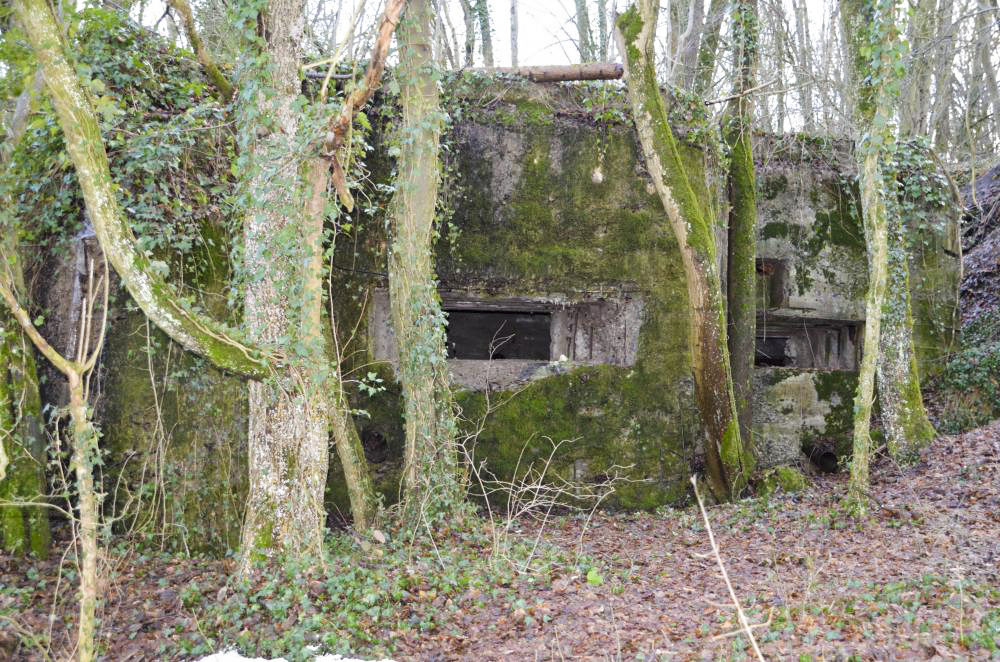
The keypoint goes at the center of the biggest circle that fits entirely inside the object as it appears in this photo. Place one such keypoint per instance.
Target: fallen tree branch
(557, 73)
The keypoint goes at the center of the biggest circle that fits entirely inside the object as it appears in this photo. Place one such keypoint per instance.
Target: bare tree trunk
(430, 475)
(583, 28)
(915, 101)
(742, 179)
(469, 13)
(876, 88)
(352, 458)
(986, 47)
(686, 67)
(943, 78)
(803, 70)
(602, 29)
(729, 463)
(513, 33)
(709, 49)
(483, 16)
(780, 42)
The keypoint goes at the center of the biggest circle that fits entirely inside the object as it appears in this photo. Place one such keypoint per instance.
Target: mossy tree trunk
(23, 529)
(349, 450)
(84, 436)
(742, 180)
(728, 461)
(289, 413)
(874, 55)
(907, 427)
(430, 471)
(23, 447)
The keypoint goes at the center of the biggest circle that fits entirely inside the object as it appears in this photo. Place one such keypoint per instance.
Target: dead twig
(725, 575)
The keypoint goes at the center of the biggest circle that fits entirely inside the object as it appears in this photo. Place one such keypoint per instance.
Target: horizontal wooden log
(557, 73)
(540, 74)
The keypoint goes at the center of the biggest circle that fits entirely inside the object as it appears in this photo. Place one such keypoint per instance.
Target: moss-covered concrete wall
(543, 202)
(544, 196)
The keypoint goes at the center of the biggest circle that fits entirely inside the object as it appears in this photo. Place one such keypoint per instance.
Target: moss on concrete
(785, 479)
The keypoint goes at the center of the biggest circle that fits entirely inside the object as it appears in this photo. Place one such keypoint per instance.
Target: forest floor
(918, 579)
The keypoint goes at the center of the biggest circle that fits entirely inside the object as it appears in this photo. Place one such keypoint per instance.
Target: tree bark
(943, 78)
(602, 30)
(907, 428)
(469, 14)
(709, 48)
(742, 179)
(728, 462)
(686, 69)
(916, 102)
(513, 33)
(803, 70)
(583, 28)
(483, 16)
(289, 415)
(85, 456)
(352, 458)
(430, 475)
(864, 25)
(985, 48)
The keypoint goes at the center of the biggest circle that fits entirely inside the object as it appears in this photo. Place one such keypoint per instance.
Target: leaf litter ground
(918, 579)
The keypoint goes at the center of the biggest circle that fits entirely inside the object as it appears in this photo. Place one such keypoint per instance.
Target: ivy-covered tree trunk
(874, 57)
(288, 414)
(742, 180)
(907, 427)
(728, 461)
(430, 471)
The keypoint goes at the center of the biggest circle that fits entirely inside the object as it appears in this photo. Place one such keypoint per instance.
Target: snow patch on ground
(233, 656)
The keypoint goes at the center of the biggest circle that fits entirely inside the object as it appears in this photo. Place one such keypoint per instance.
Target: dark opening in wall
(772, 276)
(772, 351)
(472, 334)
